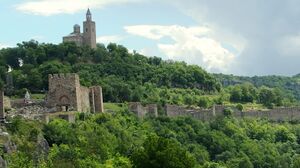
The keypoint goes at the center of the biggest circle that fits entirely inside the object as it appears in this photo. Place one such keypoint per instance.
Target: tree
(160, 152)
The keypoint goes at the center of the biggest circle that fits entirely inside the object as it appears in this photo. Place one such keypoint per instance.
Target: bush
(228, 112)
(240, 107)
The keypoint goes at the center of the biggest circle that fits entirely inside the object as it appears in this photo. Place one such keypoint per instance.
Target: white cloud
(37, 37)
(4, 46)
(148, 51)
(156, 32)
(289, 45)
(109, 39)
(53, 7)
(194, 45)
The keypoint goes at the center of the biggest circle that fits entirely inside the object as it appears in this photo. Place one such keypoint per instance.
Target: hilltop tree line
(126, 76)
(112, 66)
(290, 85)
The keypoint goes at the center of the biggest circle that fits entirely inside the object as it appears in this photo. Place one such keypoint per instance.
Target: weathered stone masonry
(141, 111)
(276, 114)
(88, 37)
(66, 94)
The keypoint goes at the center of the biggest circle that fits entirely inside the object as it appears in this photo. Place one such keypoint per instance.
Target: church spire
(88, 15)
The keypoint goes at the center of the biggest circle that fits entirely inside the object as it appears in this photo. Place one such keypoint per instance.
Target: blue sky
(249, 37)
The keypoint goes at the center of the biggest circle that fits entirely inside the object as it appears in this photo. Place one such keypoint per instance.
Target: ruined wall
(277, 114)
(66, 94)
(151, 110)
(96, 99)
(137, 108)
(84, 99)
(76, 38)
(141, 111)
(202, 114)
(64, 90)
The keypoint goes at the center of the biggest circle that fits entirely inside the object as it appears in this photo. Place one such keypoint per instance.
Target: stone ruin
(142, 111)
(66, 94)
(65, 97)
(276, 114)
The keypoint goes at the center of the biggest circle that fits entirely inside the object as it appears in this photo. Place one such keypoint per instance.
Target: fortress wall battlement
(63, 76)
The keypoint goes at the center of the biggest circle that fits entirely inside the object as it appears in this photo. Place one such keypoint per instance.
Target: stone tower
(66, 94)
(89, 30)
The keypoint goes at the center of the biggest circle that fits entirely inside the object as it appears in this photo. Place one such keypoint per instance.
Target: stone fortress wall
(142, 111)
(66, 94)
(65, 97)
(276, 114)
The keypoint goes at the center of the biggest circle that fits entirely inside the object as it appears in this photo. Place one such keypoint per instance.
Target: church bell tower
(89, 30)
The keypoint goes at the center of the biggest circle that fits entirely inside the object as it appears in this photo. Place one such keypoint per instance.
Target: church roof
(88, 12)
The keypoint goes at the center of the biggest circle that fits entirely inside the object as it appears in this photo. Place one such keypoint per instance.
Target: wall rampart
(276, 114)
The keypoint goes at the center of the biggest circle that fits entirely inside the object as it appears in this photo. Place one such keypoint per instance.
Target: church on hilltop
(88, 37)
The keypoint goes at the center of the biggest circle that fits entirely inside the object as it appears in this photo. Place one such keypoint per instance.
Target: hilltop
(118, 138)
(127, 77)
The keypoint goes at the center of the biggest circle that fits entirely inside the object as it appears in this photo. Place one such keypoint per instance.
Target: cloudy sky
(242, 37)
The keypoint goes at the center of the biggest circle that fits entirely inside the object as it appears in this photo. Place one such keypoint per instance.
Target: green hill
(124, 76)
(128, 76)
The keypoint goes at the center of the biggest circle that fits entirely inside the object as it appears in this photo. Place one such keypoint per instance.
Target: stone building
(88, 37)
(66, 94)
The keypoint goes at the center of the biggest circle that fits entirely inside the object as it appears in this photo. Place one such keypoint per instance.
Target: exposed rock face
(41, 152)
(29, 112)
(9, 147)
(3, 163)
(7, 104)
(43, 146)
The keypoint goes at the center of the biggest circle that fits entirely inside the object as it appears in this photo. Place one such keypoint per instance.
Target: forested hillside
(124, 76)
(290, 84)
(128, 77)
(121, 140)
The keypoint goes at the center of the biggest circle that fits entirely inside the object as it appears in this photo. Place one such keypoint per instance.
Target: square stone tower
(89, 31)
(88, 37)
(66, 94)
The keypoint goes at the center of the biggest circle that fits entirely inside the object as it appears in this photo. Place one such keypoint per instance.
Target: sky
(248, 37)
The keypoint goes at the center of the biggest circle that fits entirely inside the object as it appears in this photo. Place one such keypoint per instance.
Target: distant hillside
(290, 84)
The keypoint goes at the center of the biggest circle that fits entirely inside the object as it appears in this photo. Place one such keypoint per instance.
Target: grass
(114, 106)
(247, 106)
(37, 96)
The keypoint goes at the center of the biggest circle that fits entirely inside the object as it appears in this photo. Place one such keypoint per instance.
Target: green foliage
(290, 85)
(228, 112)
(119, 72)
(120, 139)
(160, 152)
(240, 107)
